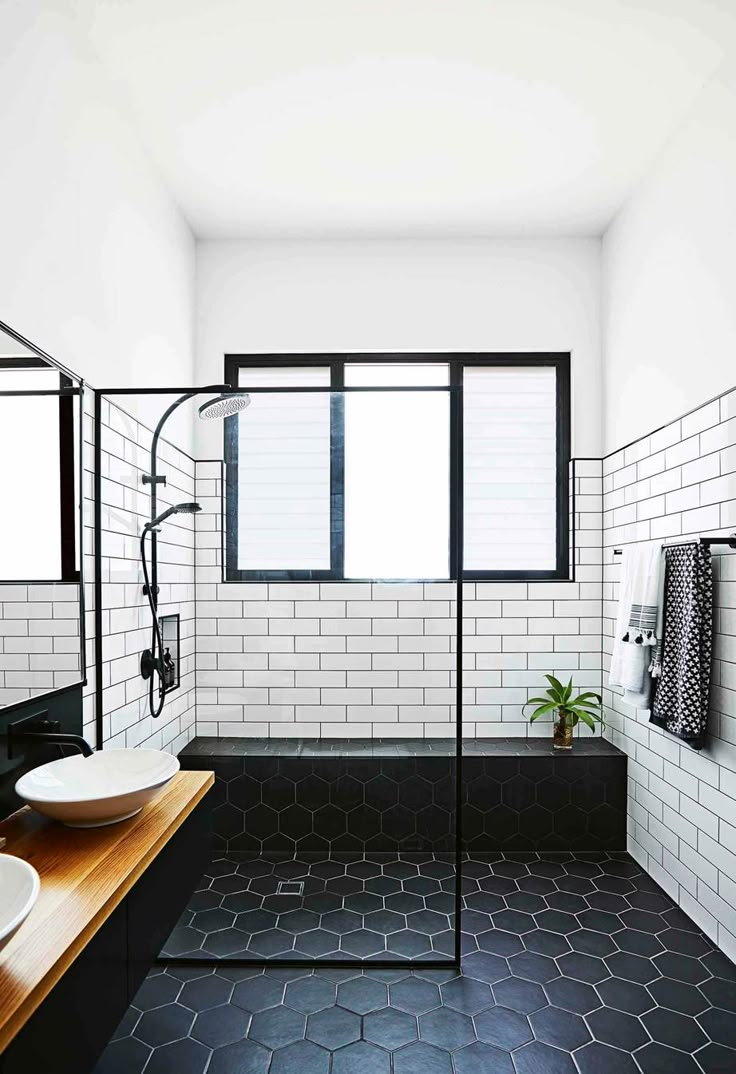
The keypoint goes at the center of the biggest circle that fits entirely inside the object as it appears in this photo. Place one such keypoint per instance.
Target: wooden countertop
(85, 873)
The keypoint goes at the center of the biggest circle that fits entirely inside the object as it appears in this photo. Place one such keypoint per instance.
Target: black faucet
(39, 728)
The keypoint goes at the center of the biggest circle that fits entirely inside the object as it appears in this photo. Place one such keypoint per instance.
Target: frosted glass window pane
(30, 537)
(390, 374)
(284, 472)
(510, 468)
(397, 485)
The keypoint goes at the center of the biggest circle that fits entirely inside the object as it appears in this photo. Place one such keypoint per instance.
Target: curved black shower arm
(152, 477)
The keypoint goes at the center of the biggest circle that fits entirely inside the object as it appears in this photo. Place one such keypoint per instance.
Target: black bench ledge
(294, 796)
(585, 746)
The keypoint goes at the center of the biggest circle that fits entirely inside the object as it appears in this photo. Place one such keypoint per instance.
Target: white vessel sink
(19, 888)
(88, 792)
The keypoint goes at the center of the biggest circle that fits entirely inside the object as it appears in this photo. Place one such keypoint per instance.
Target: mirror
(41, 606)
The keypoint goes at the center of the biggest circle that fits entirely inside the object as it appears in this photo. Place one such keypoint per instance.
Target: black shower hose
(155, 637)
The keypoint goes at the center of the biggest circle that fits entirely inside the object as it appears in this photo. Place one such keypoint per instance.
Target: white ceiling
(405, 117)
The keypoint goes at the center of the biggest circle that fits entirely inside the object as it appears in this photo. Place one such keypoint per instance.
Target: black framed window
(39, 432)
(357, 483)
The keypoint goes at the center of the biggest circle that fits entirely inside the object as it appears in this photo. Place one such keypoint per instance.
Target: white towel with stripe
(636, 642)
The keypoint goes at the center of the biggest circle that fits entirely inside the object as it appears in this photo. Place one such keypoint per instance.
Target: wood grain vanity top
(85, 874)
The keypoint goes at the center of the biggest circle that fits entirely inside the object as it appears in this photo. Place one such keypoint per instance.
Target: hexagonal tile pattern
(571, 966)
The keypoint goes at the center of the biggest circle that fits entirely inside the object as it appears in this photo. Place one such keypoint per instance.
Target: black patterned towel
(681, 701)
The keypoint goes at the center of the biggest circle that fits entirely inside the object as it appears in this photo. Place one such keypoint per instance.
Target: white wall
(406, 295)
(97, 264)
(669, 277)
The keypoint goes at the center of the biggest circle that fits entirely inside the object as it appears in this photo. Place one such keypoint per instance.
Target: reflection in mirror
(40, 617)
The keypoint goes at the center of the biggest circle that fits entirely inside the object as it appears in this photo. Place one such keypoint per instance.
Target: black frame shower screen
(454, 393)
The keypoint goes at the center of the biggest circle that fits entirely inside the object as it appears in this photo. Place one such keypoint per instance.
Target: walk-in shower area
(319, 625)
(311, 574)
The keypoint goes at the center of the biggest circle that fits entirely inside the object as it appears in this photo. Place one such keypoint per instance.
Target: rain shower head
(177, 509)
(224, 406)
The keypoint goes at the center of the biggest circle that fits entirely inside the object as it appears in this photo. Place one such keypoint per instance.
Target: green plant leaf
(568, 690)
(541, 710)
(586, 695)
(587, 719)
(582, 711)
(596, 713)
(556, 685)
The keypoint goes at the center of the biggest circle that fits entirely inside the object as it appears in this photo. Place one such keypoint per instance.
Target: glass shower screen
(340, 523)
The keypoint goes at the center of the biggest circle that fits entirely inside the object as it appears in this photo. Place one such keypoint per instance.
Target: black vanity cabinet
(70, 1029)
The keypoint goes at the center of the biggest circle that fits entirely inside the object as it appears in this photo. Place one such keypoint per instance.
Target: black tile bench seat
(289, 796)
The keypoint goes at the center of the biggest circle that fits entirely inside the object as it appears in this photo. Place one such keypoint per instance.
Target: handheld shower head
(224, 406)
(177, 509)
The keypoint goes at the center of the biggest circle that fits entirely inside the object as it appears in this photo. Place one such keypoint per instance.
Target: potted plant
(568, 710)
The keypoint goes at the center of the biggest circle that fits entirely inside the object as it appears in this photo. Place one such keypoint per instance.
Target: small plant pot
(562, 735)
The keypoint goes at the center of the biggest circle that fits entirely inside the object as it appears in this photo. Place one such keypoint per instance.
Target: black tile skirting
(295, 797)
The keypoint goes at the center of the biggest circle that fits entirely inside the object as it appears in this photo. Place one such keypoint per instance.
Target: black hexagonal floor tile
(596, 1058)
(720, 1026)
(592, 961)
(617, 1028)
(277, 1027)
(333, 1028)
(257, 993)
(486, 967)
(674, 1029)
(446, 1028)
(479, 1057)
(157, 990)
(124, 1056)
(304, 1056)
(183, 1056)
(164, 1024)
(657, 1058)
(220, 1025)
(362, 995)
(202, 993)
(244, 1056)
(546, 943)
(390, 1028)
(533, 967)
(519, 995)
(309, 994)
(421, 1058)
(503, 1028)
(362, 1057)
(538, 1056)
(560, 1028)
(625, 996)
(415, 996)
(467, 995)
(571, 995)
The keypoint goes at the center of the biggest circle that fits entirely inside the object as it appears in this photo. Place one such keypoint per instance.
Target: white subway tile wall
(681, 482)
(126, 618)
(354, 660)
(39, 639)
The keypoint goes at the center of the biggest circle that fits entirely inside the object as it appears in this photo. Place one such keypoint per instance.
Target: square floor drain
(290, 887)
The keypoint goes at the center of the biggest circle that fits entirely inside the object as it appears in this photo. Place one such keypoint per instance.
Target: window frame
(456, 363)
(68, 510)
